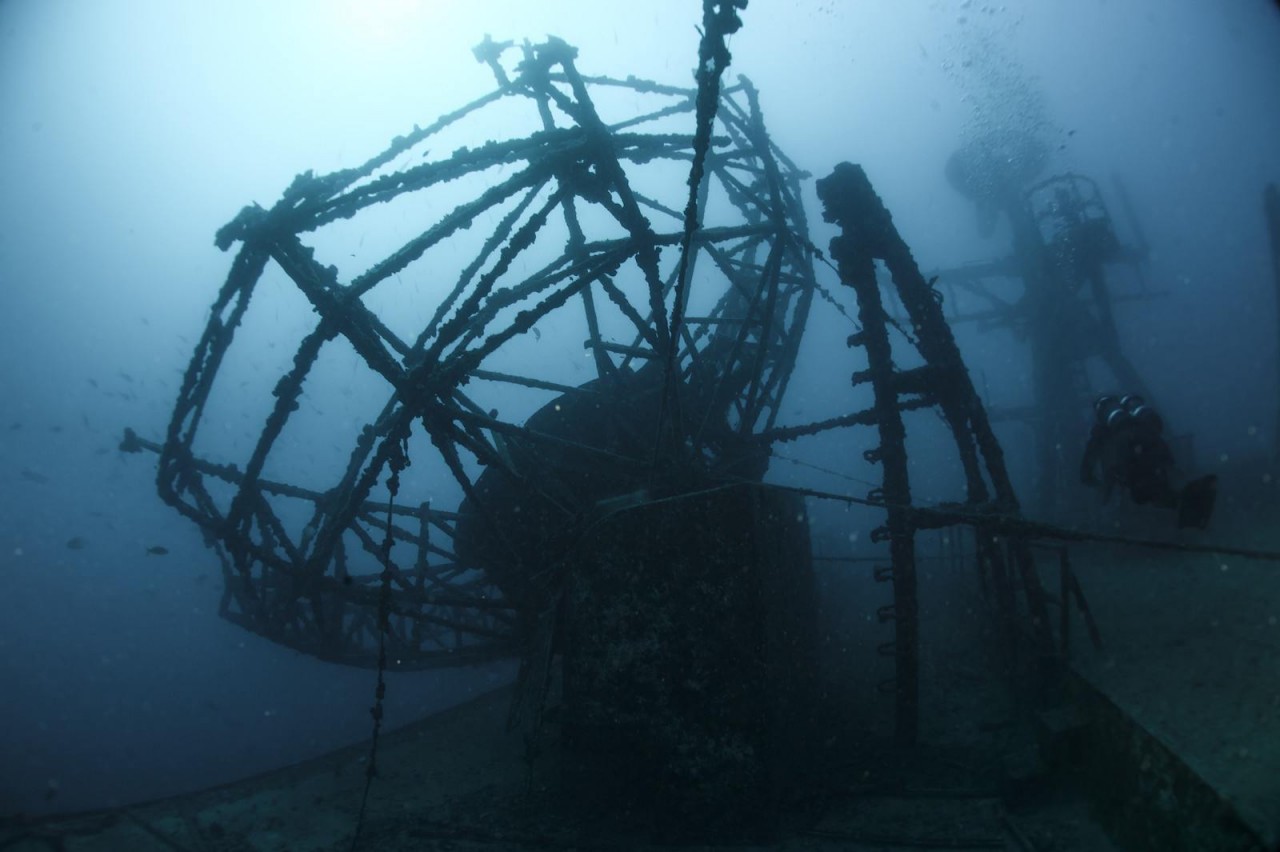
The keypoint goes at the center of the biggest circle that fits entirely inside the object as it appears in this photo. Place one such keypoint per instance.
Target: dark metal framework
(310, 579)
(1063, 242)
(323, 580)
(868, 236)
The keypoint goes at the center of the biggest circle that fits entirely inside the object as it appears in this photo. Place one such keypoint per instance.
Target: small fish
(157, 550)
(76, 543)
(537, 335)
(32, 476)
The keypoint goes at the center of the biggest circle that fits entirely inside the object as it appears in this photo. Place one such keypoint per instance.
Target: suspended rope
(997, 523)
(397, 460)
(779, 456)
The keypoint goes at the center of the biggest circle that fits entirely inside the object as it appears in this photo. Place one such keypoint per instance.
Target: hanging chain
(397, 459)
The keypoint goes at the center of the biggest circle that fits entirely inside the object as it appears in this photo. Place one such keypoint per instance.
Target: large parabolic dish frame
(690, 354)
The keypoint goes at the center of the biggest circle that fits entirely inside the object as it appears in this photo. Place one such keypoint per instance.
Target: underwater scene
(680, 424)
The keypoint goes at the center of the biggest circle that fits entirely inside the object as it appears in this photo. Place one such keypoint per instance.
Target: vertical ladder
(867, 235)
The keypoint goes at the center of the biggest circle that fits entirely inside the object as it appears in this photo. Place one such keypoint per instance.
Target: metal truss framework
(1061, 303)
(317, 589)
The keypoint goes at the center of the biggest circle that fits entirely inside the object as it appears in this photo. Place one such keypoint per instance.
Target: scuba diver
(1126, 448)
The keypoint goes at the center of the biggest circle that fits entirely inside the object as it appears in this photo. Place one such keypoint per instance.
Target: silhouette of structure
(677, 395)
(614, 533)
(943, 381)
(614, 530)
(1064, 244)
(690, 322)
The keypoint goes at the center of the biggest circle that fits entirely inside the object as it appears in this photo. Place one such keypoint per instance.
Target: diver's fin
(1195, 506)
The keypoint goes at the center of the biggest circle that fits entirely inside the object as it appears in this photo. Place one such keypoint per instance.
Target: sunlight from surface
(374, 24)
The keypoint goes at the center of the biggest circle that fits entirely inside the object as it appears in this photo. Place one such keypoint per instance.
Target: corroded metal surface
(695, 321)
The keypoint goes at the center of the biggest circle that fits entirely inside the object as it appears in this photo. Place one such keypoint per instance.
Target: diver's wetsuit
(1130, 453)
(1126, 448)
